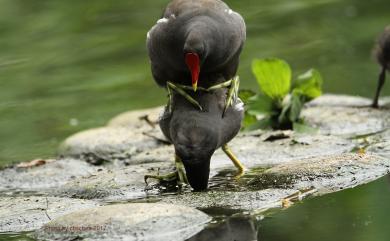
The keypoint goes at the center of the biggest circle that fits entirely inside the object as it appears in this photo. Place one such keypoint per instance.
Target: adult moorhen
(194, 51)
(203, 36)
(383, 57)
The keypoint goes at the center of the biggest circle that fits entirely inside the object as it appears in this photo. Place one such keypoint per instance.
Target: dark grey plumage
(207, 27)
(382, 53)
(197, 134)
(214, 33)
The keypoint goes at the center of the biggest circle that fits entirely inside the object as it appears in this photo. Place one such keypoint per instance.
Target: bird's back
(222, 29)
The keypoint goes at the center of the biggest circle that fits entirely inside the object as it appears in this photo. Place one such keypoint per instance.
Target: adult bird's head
(196, 49)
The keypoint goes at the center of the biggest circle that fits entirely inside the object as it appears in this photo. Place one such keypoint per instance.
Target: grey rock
(50, 175)
(378, 144)
(108, 144)
(244, 200)
(128, 182)
(21, 214)
(264, 190)
(137, 221)
(137, 118)
(345, 116)
(333, 100)
(114, 185)
(330, 173)
(254, 151)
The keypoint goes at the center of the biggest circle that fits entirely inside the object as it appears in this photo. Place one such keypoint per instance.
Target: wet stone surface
(114, 185)
(138, 221)
(30, 213)
(106, 166)
(270, 187)
(346, 116)
(330, 173)
(114, 145)
(254, 150)
(51, 175)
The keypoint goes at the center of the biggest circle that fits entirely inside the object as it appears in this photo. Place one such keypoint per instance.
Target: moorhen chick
(197, 134)
(383, 57)
(194, 52)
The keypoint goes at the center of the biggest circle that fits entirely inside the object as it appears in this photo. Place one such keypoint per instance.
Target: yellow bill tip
(195, 86)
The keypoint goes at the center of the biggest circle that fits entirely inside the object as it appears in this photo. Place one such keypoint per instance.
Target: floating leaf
(309, 84)
(273, 76)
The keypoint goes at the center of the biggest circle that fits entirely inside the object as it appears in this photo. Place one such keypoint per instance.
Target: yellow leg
(234, 159)
(180, 170)
(179, 175)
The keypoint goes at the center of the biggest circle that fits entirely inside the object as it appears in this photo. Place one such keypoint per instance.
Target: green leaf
(309, 84)
(296, 107)
(265, 124)
(248, 120)
(291, 110)
(284, 113)
(259, 105)
(245, 95)
(304, 129)
(273, 76)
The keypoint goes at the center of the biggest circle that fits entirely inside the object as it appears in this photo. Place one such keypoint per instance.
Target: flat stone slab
(21, 214)
(379, 144)
(330, 173)
(253, 150)
(144, 119)
(258, 149)
(345, 116)
(114, 185)
(50, 175)
(108, 144)
(333, 100)
(268, 189)
(245, 200)
(133, 222)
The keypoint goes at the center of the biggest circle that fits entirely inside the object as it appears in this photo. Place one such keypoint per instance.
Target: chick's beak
(193, 63)
(197, 174)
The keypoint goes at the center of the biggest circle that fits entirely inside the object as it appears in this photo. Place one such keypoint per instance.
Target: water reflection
(234, 228)
(355, 214)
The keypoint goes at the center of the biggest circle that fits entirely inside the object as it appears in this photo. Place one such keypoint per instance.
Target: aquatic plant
(280, 102)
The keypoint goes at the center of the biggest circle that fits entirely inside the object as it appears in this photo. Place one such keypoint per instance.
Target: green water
(358, 214)
(70, 65)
